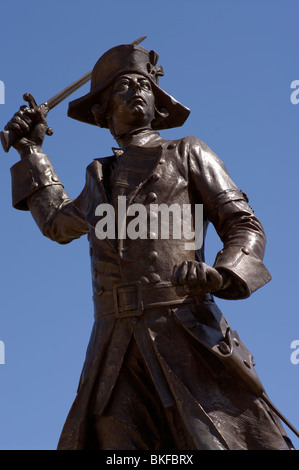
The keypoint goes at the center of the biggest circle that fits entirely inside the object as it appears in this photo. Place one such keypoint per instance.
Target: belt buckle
(140, 306)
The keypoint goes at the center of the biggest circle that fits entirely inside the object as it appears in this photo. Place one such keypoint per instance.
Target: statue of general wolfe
(163, 369)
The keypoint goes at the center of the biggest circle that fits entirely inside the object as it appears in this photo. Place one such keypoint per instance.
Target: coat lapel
(123, 175)
(99, 191)
(135, 167)
(101, 169)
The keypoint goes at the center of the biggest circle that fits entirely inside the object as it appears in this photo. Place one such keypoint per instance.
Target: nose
(136, 86)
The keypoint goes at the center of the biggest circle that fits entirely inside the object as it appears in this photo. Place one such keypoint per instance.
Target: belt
(129, 299)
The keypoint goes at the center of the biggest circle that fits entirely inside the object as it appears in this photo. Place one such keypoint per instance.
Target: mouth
(137, 100)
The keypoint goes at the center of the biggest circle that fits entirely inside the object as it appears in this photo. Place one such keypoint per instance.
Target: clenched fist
(29, 126)
(197, 277)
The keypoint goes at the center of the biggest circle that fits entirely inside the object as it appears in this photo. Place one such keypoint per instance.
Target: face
(132, 103)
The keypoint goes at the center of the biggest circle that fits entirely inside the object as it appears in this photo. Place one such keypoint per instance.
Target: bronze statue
(163, 368)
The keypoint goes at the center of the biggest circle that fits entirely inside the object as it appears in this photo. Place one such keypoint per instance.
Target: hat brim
(175, 116)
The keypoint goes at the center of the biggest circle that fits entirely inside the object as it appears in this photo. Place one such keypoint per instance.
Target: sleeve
(37, 188)
(242, 234)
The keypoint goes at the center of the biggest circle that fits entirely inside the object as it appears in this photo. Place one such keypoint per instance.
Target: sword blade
(279, 414)
(55, 100)
(139, 40)
(9, 137)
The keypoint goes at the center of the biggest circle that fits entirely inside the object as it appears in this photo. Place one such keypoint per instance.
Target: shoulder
(191, 144)
(193, 147)
(103, 161)
(199, 157)
(99, 166)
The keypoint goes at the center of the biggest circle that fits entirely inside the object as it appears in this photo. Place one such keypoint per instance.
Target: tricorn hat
(128, 58)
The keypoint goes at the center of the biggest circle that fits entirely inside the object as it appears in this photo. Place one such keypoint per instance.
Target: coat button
(153, 255)
(245, 251)
(155, 278)
(151, 197)
(34, 185)
(55, 178)
(152, 235)
(155, 177)
(223, 347)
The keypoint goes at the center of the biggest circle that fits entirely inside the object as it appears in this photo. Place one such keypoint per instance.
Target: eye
(145, 85)
(121, 85)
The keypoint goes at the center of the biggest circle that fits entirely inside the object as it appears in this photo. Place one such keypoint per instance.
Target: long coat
(198, 364)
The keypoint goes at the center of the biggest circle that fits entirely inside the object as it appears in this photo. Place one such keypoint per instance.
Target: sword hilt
(9, 137)
(32, 104)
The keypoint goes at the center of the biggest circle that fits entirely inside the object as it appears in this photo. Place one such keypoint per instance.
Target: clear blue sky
(232, 63)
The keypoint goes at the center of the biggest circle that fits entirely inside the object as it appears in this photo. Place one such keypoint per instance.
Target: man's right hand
(29, 125)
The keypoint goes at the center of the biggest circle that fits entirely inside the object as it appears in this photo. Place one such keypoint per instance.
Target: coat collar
(140, 138)
(124, 173)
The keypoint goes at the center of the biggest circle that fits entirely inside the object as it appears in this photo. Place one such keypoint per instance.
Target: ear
(160, 115)
(101, 109)
(101, 114)
(97, 112)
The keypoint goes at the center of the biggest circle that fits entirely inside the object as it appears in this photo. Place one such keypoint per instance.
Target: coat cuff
(30, 175)
(247, 271)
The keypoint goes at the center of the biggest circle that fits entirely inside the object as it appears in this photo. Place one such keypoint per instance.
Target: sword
(8, 138)
(279, 414)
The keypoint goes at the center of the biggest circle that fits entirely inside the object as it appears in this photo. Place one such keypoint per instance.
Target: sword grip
(9, 137)
(7, 140)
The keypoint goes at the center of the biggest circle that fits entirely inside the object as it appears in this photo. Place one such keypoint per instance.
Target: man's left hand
(197, 276)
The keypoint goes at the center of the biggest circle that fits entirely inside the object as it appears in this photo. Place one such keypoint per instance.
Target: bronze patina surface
(163, 368)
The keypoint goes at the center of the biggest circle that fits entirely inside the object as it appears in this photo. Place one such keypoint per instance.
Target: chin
(139, 109)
